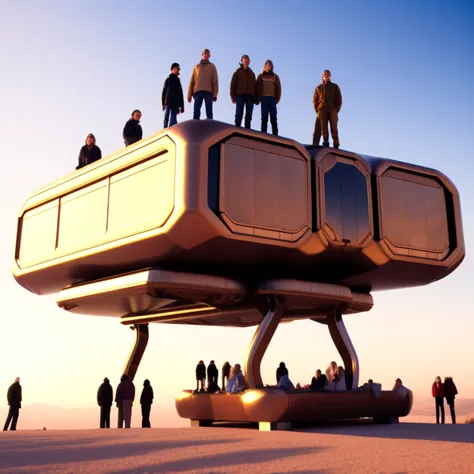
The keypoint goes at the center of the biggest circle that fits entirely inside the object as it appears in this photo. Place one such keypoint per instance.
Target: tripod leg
(141, 341)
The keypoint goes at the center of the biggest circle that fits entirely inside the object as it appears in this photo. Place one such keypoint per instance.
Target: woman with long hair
(437, 390)
(89, 153)
(268, 92)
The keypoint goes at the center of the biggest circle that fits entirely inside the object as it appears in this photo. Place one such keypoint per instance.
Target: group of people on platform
(233, 380)
(441, 390)
(246, 91)
(124, 398)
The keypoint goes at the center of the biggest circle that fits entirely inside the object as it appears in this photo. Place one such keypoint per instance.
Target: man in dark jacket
(124, 397)
(281, 371)
(172, 99)
(200, 375)
(105, 398)
(89, 153)
(242, 92)
(132, 132)
(327, 102)
(212, 377)
(225, 374)
(14, 400)
(146, 399)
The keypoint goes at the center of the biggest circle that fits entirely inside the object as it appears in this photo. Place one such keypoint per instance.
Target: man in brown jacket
(327, 102)
(242, 92)
(203, 86)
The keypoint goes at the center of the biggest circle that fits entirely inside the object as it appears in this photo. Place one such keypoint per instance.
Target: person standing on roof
(203, 86)
(200, 375)
(268, 92)
(132, 132)
(172, 99)
(242, 92)
(327, 102)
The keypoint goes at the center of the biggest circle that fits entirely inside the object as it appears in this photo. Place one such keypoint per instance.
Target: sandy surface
(407, 447)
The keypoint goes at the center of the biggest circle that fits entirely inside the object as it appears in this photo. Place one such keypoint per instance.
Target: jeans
(105, 416)
(269, 106)
(146, 409)
(439, 408)
(171, 116)
(13, 414)
(200, 96)
(127, 412)
(241, 101)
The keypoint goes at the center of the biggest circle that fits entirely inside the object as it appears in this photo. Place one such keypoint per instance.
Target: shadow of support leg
(345, 348)
(141, 341)
(260, 341)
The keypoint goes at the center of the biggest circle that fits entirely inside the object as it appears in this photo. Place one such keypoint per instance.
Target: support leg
(345, 348)
(260, 341)
(141, 341)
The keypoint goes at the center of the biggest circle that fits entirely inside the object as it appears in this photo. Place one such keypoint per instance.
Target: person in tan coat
(327, 102)
(242, 92)
(203, 86)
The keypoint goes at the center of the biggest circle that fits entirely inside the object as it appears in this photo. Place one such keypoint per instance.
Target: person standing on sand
(450, 392)
(146, 399)
(203, 86)
(437, 390)
(124, 397)
(14, 398)
(105, 398)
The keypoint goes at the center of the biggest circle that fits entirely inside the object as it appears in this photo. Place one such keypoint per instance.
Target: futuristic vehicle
(206, 223)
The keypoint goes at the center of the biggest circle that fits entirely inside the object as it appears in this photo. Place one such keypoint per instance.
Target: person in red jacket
(450, 392)
(437, 390)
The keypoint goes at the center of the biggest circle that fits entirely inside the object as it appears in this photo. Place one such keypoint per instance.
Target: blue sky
(69, 68)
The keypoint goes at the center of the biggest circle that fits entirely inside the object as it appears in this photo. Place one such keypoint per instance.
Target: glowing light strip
(128, 319)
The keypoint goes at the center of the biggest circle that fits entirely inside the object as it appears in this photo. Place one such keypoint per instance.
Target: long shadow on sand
(417, 431)
(44, 455)
(225, 460)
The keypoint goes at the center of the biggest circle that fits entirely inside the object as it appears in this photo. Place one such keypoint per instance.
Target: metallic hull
(273, 405)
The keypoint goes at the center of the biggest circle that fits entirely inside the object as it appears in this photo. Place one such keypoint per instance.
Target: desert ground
(357, 447)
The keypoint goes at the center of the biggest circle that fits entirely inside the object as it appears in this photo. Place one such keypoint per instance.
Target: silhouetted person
(146, 399)
(203, 86)
(281, 371)
(242, 92)
(89, 153)
(212, 373)
(437, 390)
(200, 375)
(225, 374)
(132, 132)
(450, 392)
(172, 99)
(268, 92)
(124, 397)
(318, 381)
(327, 102)
(14, 401)
(105, 398)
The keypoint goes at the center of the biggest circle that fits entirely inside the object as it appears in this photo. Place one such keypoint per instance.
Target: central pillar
(141, 341)
(272, 314)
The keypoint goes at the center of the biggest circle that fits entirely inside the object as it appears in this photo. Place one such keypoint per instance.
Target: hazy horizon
(71, 68)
